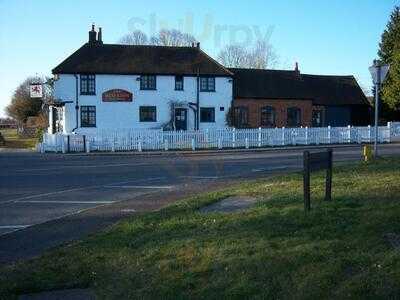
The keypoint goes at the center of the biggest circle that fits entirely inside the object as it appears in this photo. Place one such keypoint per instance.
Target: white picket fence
(140, 140)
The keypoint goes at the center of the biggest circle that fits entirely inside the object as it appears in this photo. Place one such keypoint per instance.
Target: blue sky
(325, 37)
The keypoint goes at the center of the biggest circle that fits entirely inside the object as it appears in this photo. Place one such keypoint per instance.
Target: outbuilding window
(268, 116)
(148, 114)
(207, 114)
(179, 83)
(241, 117)
(148, 82)
(317, 118)
(207, 84)
(293, 117)
(88, 116)
(88, 84)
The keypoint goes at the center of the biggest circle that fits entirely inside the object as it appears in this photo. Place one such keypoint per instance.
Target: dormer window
(88, 84)
(178, 83)
(148, 82)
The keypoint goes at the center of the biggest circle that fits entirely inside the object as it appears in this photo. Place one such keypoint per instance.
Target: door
(180, 118)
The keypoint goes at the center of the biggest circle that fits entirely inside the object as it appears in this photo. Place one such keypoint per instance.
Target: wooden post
(68, 144)
(328, 187)
(306, 181)
(84, 143)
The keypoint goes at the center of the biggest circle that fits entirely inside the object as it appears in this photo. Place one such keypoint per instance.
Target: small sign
(117, 95)
(379, 73)
(36, 90)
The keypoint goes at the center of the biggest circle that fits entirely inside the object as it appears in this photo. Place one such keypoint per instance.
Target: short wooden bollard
(315, 162)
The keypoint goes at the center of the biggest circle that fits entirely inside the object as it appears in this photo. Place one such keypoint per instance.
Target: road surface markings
(77, 189)
(13, 226)
(140, 186)
(66, 202)
(200, 177)
(82, 167)
(269, 169)
(67, 215)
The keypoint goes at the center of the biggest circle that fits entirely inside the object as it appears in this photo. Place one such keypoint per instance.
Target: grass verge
(343, 249)
(13, 140)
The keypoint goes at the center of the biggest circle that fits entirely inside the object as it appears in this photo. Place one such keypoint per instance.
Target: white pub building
(111, 87)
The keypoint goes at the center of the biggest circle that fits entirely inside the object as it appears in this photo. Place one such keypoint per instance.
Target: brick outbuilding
(282, 98)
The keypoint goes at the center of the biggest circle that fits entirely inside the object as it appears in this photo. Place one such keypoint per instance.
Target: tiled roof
(282, 84)
(132, 59)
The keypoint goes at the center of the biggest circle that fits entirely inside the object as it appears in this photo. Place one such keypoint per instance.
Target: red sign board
(117, 95)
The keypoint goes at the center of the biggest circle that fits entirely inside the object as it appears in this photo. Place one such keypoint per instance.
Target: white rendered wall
(118, 115)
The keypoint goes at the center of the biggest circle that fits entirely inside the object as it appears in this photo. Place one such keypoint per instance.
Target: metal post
(377, 86)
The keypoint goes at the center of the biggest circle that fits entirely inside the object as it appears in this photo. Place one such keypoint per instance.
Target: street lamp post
(378, 72)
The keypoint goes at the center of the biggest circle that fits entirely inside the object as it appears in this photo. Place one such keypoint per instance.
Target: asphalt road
(49, 199)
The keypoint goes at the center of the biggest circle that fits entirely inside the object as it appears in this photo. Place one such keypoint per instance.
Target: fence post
(219, 143)
(389, 125)
(306, 135)
(329, 134)
(369, 134)
(283, 136)
(42, 148)
(140, 146)
(87, 146)
(233, 138)
(349, 134)
(259, 136)
(246, 143)
(113, 145)
(193, 145)
(63, 145)
(84, 143)
(166, 145)
(207, 139)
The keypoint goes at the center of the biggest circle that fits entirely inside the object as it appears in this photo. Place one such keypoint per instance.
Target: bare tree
(260, 56)
(172, 37)
(234, 56)
(134, 38)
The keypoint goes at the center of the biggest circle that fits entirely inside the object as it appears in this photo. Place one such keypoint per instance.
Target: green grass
(13, 140)
(271, 251)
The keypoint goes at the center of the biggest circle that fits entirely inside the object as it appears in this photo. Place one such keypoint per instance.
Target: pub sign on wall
(117, 95)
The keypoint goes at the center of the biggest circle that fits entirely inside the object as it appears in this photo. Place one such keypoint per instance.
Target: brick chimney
(100, 36)
(296, 67)
(92, 35)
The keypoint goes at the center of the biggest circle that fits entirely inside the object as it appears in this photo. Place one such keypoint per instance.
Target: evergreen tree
(389, 53)
(390, 42)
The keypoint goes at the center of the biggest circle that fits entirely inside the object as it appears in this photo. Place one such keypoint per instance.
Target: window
(148, 114)
(148, 82)
(293, 117)
(222, 108)
(88, 116)
(88, 84)
(179, 83)
(317, 118)
(241, 117)
(268, 116)
(207, 114)
(207, 84)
